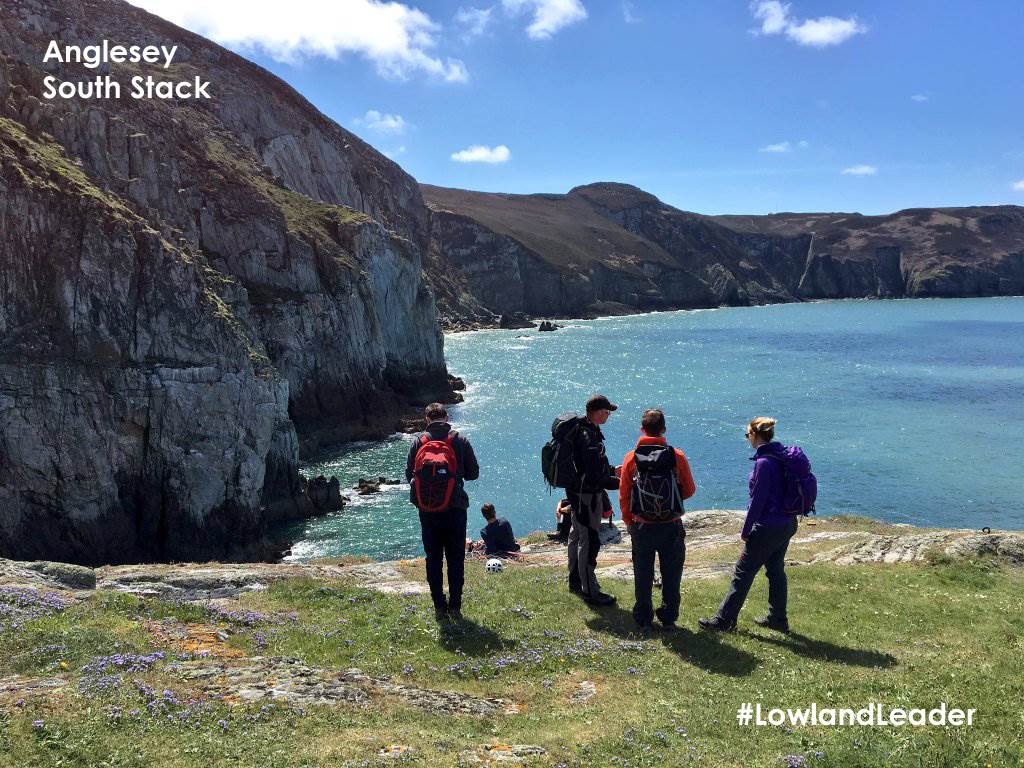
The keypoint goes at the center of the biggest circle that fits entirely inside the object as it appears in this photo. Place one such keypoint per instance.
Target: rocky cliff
(607, 248)
(189, 292)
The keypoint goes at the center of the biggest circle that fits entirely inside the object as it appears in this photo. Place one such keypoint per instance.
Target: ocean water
(911, 411)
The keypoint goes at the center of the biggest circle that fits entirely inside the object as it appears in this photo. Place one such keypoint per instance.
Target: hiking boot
(455, 614)
(770, 623)
(576, 589)
(660, 613)
(645, 626)
(601, 598)
(717, 624)
(441, 614)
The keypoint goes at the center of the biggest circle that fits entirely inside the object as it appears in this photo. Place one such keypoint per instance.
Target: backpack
(556, 457)
(655, 495)
(800, 486)
(434, 473)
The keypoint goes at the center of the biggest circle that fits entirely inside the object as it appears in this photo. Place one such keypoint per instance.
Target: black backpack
(556, 457)
(655, 495)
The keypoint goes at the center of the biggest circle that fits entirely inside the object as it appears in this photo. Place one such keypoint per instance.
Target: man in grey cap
(588, 501)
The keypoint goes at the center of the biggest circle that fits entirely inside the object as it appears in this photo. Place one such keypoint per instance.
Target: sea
(911, 411)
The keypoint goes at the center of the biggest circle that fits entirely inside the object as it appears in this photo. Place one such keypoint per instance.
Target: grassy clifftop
(214, 667)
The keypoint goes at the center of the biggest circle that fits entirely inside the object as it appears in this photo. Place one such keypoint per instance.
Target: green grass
(903, 635)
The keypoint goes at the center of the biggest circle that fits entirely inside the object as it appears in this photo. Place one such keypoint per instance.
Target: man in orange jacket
(655, 480)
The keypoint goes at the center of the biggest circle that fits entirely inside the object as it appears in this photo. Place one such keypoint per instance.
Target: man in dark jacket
(497, 535)
(444, 532)
(597, 477)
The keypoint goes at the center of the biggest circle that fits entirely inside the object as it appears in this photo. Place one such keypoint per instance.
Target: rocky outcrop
(190, 294)
(607, 248)
(286, 681)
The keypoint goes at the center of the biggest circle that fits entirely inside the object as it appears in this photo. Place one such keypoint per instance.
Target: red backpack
(434, 473)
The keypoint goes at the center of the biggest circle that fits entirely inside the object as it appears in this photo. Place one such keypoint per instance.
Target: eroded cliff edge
(610, 248)
(189, 293)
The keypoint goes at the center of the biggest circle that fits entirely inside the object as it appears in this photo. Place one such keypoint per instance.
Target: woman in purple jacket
(766, 534)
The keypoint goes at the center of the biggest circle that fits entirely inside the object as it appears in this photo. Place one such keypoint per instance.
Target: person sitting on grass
(497, 535)
(563, 522)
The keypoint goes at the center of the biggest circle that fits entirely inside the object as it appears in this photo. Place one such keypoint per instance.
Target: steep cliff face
(189, 291)
(606, 247)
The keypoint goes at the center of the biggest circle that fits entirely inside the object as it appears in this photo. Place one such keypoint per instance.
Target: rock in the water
(324, 494)
(366, 487)
(515, 320)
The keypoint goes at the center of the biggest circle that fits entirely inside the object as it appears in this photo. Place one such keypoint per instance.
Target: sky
(715, 106)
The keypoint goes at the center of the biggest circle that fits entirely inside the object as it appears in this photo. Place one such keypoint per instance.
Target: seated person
(563, 522)
(497, 534)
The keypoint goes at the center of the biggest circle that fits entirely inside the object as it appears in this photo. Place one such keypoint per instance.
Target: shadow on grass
(471, 638)
(826, 651)
(701, 649)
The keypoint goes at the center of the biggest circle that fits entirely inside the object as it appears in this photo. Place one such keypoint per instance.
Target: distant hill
(606, 248)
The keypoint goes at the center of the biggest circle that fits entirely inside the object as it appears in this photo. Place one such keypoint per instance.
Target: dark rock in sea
(456, 383)
(515, 320)
(547, 325)
(366, 487)
(325, 495)
(411, 424)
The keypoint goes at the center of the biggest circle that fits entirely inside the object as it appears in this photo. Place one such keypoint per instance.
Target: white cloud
(822, 32)
(860, 170)
(919, 97)
(481, 154)
(1018, 185)
(474, 21)
(393, 153)
(549, 16)
(379, 122)
(397, 38)
(784, 146)
(629, 13)
(773, 15)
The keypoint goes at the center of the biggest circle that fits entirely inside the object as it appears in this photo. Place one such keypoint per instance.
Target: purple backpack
(800, 486)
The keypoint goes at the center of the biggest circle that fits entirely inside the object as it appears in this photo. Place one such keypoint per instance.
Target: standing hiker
(766, 533)
(655, 480)
(587, 499)
(439, 461)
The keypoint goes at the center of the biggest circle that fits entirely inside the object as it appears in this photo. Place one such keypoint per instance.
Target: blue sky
(714, 106)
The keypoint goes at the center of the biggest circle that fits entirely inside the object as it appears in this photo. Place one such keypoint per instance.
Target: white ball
(494, 565)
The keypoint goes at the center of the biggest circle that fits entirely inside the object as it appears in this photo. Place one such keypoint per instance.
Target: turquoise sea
(911, 411)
